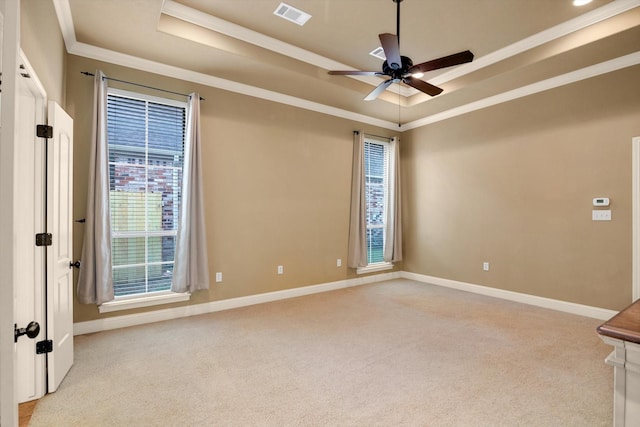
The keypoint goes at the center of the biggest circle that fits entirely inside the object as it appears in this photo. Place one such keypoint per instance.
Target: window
(146, 152)
(376, 174)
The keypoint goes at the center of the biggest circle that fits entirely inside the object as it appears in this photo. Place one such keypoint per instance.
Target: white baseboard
(568, 307)
(105, 324)
(108, 323)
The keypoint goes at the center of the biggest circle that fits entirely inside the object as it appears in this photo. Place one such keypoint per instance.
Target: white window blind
(146, 151)
(376, 159)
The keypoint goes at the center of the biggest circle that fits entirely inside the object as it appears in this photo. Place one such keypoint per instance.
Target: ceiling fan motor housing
(397, 73)
(401, 69)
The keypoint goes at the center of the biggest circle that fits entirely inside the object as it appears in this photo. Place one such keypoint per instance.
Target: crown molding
(65, 20)
(551, 83)
(63, 12)
(100, 54)
(216, 24)
(105, 55)
(590, 18)
(210, 22)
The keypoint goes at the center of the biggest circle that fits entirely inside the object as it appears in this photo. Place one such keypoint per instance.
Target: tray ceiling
(520, 47)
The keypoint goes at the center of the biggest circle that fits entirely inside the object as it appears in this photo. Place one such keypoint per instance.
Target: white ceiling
(520, 47)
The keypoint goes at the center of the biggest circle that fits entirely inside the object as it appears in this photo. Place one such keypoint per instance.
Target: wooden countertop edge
(621, 334)
(624, 325)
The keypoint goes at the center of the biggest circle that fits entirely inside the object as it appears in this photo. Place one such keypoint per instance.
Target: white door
(43, 165)
(28, 221)
(59, 255)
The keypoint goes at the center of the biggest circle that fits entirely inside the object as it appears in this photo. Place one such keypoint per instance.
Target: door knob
(32, 330)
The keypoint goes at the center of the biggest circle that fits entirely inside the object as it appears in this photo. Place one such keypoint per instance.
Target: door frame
(635, 191)
(10, 30)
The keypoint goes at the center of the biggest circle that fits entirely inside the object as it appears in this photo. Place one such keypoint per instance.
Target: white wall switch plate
(485, 266)
(339, 263)
(280, 269)
(601, 215)
(218, 277)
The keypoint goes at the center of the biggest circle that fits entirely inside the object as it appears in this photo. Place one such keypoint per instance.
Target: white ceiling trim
(201, 19)
(213, 23)
(554, 82)
(65, 19)
(81, 49)
(100, 54)
(590, 18)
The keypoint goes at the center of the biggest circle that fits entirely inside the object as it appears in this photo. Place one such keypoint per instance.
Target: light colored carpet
(397, 353)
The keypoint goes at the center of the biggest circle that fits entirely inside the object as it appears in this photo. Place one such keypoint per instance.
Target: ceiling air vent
(378, 53)
(292, 14)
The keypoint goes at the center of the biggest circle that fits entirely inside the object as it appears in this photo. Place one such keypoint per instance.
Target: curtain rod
(86, 73)
(357, 132)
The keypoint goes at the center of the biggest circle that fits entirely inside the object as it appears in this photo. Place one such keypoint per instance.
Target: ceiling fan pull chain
(399, 123)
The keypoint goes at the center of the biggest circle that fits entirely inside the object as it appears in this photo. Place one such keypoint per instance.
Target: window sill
(372, 268)
(157, 298)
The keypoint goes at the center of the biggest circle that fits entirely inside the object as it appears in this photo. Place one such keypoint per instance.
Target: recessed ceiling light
(581, 2)
(292, 14)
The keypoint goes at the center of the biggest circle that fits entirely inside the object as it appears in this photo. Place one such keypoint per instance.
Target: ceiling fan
(401, 68)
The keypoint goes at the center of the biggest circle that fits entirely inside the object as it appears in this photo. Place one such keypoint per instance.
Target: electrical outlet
(485, 266)
(218, 276)
(280, 269)
(339, 263)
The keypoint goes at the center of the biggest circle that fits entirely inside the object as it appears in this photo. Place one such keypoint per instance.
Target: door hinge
(43, 347)
(44, 131)
(44, 239)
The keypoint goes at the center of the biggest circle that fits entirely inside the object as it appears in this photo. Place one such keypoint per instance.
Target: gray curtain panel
(95, 280)
(191, 268)
(357, 256)
(393, 230)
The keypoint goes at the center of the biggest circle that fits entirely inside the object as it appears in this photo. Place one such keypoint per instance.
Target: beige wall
(277, 183)
(513, 185)
(42, 43)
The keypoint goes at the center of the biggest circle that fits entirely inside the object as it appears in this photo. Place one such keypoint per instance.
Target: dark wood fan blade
(391, 50)
(445, 61)
(423, 86)
(378, 90)
(356, 73)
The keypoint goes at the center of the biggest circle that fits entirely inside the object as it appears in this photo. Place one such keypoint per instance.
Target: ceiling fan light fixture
(417, 75)
(581, 2)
